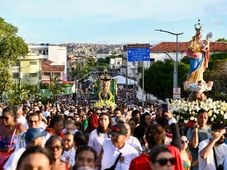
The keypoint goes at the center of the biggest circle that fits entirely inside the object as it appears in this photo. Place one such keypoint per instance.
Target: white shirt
(134, 142)
(22, 120)
(209, 162)
(69, 156)
(96, 140)
(110, 154)
(11, 163)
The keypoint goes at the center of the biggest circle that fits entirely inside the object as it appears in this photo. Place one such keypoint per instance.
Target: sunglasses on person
(164, 161)
(184, 141)
(55, 147)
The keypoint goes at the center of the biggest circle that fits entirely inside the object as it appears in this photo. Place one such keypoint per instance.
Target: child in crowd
(69, 150)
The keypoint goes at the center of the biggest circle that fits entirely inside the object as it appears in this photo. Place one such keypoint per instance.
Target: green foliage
(103, 63)
(218, 74)
(12, 48)
(84, 68)
(5, 78)
(20, 94)
(55, 88)
(81, 70)
(218, 56)
(222, 40)
(158, 78)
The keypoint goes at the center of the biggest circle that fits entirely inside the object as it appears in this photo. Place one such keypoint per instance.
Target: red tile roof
(46, 67)
(182, 47)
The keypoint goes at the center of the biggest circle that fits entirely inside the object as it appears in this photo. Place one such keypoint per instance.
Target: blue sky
(113, 21)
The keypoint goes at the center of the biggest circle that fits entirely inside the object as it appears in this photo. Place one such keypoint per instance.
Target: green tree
(25, 92)
(103, 63)
(55, 88)
(217, 72)
(222, 40)
(84, 68)
(12, 48)
(158, 79)
(81, 70)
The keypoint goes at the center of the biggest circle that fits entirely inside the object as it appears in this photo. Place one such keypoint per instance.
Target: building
(167, 50)
(55, 53)
(49, 71)
(42, 61)
(28, 70)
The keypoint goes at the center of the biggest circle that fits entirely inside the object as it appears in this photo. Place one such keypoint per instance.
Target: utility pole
(175, 70)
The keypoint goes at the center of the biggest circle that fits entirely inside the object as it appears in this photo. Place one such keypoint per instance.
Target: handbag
(115, 163)
(4, 155)
(218, 167)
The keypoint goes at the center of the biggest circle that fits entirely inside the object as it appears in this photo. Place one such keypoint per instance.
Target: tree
(222, 40)
(158, 79)
(55, 88)
(22, 94)
(217, 72)
(103, 63)
(84, 68)
(12, 48)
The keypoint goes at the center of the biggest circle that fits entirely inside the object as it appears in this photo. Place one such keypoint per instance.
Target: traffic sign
(138, 54)
(176, 93)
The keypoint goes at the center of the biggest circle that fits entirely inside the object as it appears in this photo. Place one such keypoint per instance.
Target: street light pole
(175, 71)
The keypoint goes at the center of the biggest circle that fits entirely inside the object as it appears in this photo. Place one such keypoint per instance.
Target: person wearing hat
(115, 146)
(33, 137)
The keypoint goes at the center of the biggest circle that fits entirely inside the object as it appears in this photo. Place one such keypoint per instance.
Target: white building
(115, 63)
(55, 53)
(167, 50)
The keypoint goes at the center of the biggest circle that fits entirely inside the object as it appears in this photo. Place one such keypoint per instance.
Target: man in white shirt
(116, 145)
(213, 147)
(33, 122)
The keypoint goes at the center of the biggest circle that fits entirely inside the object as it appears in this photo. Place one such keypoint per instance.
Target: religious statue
(198, 53)
(106, 91)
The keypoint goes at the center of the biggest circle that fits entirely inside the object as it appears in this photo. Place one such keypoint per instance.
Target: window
(33, 75)
(46, 74)
(33, 62)
(16, 75)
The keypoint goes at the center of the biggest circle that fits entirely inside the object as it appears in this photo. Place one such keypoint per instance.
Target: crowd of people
(67, 136)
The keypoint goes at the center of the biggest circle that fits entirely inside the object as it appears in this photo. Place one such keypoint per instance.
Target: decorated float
(198, 53)
(105, 90)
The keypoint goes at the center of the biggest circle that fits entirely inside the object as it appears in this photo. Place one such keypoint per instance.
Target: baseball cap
(34, 133)
(118, 129)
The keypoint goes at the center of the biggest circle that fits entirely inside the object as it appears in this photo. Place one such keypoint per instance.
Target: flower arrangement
(105, 103)
(186, 111)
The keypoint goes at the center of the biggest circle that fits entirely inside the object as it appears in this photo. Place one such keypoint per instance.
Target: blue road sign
(138, 54)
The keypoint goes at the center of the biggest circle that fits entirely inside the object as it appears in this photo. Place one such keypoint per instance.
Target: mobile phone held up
(165, 108)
